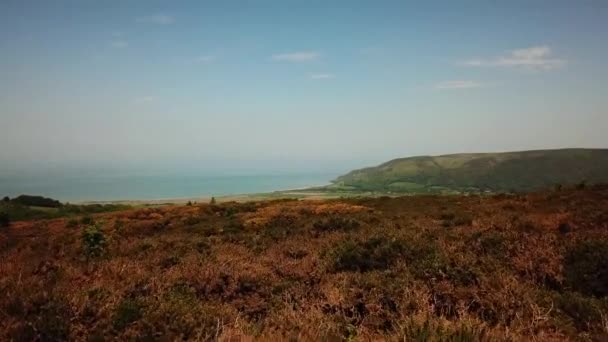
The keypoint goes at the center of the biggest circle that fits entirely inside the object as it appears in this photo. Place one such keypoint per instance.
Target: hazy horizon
(234, 88)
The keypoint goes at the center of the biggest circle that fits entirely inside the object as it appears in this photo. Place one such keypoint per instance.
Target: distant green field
(479, 172)
(20, 212)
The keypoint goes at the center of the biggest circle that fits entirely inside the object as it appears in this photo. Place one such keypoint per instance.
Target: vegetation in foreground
(439, 268)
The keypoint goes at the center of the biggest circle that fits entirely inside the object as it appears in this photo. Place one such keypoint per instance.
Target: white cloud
(205, 59)
(300, 56)
(458, 85)
(536, 57)
(159, 19)
(321, 76)
(119, 44)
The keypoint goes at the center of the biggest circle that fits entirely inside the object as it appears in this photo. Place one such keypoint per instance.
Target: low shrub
(374, 254)
(453, 220)
(296, 254)
(86, 220)
(48, 319)
(424, 259)
(336, 223)
(93, 241)
(36, 201)
(233, 227)
(586, 267)
(585, 313)
(494, 244)
(127, 312)
(280, 227)
(170, 261)
(72, 223)
(5, 220)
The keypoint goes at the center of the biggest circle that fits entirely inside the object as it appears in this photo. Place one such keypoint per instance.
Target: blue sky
(293, 85)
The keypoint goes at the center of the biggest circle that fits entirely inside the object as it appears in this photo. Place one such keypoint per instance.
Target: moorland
(426, 267)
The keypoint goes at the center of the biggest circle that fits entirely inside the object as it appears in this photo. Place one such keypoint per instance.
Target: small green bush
(586, 268)
(72, 223)
(36, 201)
(494, 244)
(373, 254)
(453, 220)
(52, 323)
(233, 227)
(280, 227)
(584, 312)
(93, 241)
(336, 223)
(87, 220)
(426, 261)
(128, 311)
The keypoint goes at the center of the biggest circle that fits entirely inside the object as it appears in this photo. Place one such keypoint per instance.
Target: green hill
(508, 171)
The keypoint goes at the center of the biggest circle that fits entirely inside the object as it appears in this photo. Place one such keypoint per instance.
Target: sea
(99, 188)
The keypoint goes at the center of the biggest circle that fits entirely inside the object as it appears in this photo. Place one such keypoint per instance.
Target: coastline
(310, 192)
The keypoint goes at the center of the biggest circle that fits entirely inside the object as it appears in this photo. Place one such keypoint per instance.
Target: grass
(19, 212)
(495, 172)
(501, 268)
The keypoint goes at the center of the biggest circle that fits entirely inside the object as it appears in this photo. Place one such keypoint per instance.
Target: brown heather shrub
(349, 269)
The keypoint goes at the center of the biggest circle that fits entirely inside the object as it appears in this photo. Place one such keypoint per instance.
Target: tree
(37, 201)
(6, 199)
(212, 200)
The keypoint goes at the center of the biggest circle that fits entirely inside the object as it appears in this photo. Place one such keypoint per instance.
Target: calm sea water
(92, 188)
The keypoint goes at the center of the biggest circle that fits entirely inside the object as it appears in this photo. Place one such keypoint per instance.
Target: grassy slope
(413, 268)
(518, 171)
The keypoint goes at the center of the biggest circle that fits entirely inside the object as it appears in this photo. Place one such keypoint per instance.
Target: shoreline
(309, 192)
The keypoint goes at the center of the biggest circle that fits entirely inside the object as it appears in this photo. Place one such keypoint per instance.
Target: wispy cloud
(300, 56)
(536, 57)
(159, 19)
(119, 44)
(466, 84)
(321, 76)
(205, 59)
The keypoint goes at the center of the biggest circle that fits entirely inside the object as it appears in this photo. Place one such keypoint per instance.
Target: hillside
(500, 172)
(418, 268)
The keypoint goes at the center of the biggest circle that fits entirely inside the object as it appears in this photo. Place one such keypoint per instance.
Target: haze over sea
(103, 187)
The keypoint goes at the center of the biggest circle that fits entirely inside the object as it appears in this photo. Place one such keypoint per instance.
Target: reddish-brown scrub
(509, 267)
